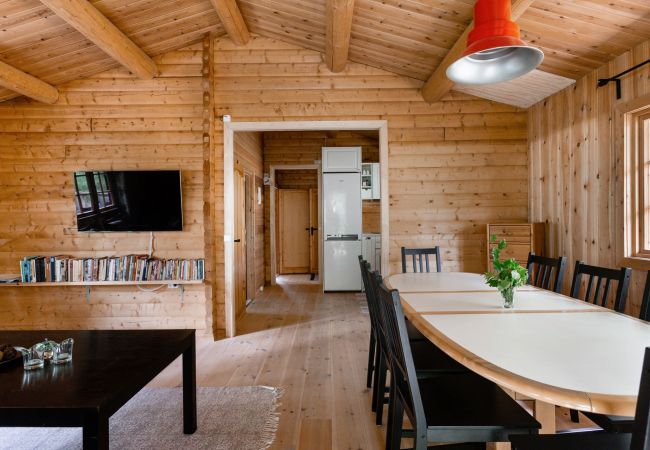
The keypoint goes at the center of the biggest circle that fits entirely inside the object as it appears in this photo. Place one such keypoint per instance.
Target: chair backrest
(420, 258)
(644, 314)
(374, 280)
(641, 431)
(546, 273)
(403, 374)
(593, 292)
(370, 298)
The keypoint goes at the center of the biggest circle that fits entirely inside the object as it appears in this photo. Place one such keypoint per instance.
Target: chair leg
(395, 420)
(575, 417)
(380, 388)
(375, 375)
(371, 360)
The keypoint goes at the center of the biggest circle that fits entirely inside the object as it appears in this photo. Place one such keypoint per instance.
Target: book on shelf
(63, 268)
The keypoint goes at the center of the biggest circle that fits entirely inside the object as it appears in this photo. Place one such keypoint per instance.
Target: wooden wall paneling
(576, 167)
(40, 148)
(249, 156)
(444, 187)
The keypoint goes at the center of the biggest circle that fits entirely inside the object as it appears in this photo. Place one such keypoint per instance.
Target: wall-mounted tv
(131, 200)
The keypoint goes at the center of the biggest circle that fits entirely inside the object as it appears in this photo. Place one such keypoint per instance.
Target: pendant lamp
(495, 51)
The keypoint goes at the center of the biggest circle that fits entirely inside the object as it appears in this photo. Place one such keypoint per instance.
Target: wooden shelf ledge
(101, 283)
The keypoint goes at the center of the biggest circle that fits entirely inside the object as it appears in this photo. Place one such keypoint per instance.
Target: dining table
(550, 348)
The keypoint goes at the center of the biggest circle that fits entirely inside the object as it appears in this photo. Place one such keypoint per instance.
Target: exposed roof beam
(86, 19)
(438, 85)
(232, 21)
(23, 83)
(339, 28)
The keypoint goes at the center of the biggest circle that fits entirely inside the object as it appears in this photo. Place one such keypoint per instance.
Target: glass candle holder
(32, 359)
(63, 352)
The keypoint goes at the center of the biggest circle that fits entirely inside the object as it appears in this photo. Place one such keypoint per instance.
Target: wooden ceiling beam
(86, 19)
(338, 31)
(438, 85)
(25, 84)
(232, 21)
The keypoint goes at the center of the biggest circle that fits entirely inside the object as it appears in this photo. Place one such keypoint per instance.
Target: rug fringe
(271, 427)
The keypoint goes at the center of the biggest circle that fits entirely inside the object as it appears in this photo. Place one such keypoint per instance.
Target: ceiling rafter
(438, 85)
(232, 21)
(25, 84)
(338, 32)
(86, 19)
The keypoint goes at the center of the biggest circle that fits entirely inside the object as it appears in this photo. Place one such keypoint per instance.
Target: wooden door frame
(273, 218)
(229, 130)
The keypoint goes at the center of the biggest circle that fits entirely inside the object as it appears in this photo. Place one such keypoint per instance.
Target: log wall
(455, 165)
(575, 168)
(111, 121)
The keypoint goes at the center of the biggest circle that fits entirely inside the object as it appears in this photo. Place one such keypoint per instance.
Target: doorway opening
(297, 222)
(283, 258)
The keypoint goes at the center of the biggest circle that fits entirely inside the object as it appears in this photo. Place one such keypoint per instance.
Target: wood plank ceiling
(407, 37)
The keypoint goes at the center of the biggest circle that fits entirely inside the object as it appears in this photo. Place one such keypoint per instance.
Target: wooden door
(314, 237)
(293, 231)
(240, 242)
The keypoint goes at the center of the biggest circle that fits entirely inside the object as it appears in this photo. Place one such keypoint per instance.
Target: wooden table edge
(598, 403)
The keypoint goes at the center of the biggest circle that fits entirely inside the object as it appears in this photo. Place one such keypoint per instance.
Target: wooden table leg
(545, 414)
(189, 389)
(95, 432)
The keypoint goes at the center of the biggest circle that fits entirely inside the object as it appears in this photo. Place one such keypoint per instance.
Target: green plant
(508, 274)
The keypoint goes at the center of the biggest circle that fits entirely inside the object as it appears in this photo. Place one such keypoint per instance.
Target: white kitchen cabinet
(341, 159)
(370, 184)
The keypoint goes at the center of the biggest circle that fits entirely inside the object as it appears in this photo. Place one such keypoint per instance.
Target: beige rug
(242, 418)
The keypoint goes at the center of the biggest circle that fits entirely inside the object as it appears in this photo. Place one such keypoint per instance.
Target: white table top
(441, 282)
(549, 347)
(491, 302)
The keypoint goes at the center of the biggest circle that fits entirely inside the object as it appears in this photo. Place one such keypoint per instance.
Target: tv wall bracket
(617, 78)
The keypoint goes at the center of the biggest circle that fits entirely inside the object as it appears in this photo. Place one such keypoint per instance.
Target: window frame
(635, 177)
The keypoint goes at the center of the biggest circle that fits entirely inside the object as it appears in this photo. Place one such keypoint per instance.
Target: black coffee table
(108, 368)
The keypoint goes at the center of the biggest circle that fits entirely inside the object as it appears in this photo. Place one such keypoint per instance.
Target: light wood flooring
(313, 345)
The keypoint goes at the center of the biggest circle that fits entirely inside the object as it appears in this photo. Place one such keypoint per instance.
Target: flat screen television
(129, 200)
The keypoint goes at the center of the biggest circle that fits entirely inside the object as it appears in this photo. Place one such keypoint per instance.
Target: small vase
(508, 297)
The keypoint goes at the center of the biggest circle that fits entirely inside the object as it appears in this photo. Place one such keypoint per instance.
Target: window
(93, 192)
(637, 184)
(83, 193)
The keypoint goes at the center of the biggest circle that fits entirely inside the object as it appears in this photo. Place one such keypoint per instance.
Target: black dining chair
(546, 273)
(637, 439)
(597, 293)
(420, 259)
(460, 407)
(428, 359)
(623, 424)
(372, 345)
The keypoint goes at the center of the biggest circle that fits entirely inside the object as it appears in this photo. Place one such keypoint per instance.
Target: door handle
(311, 230)
(237, 240)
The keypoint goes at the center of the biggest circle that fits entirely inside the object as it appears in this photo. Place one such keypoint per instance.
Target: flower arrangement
(507, 275)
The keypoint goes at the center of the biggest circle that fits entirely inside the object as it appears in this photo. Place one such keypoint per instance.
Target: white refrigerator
(341, 231)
